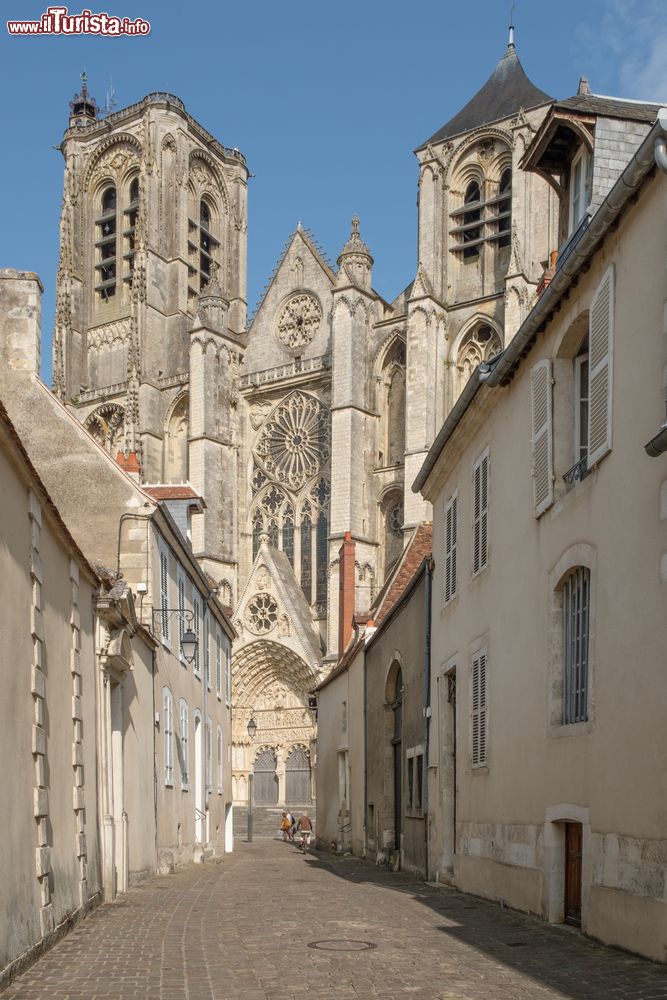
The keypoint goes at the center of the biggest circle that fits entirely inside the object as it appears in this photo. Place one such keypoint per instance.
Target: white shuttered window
(183, 744)
(478, 713)
(196, 610)
(168, 734)
(219, 760)
(480, 519)
(164, 592)
(600, 352)
(218, 663)
(542, 421)
(451, 531)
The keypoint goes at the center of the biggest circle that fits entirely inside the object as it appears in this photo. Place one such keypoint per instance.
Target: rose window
(296, 441)
(299, 320)
(261, 614)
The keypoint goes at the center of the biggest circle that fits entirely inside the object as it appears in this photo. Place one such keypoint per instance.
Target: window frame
(165, 632)
(481, 518)
(218, 663)
(197, 614)
(576, 646)
(479, 710)
(450, 579)
(184, 725)
(181, 581)
(582, 156)
(167, 736)
(218, 740)
(228, 672)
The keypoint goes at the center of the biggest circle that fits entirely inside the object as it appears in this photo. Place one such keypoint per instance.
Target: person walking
(305, 828)
(285, 826)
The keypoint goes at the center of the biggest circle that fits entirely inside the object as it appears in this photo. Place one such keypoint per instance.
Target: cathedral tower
(154, 208)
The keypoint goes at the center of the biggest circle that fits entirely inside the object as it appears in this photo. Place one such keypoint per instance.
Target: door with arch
(297, 777)
(266, 778)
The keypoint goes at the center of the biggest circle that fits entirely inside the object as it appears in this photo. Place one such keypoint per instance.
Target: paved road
(245, 929)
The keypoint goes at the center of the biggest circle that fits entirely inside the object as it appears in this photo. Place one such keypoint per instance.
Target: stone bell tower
(153, 206)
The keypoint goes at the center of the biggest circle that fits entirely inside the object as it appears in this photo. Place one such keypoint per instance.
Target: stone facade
(552, 646)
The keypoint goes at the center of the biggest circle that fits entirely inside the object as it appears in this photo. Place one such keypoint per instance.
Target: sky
(326, 101)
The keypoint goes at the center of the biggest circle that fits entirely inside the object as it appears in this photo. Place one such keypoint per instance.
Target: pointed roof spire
(507, 89)
(355, 244)
(83, 107)
(510, 44)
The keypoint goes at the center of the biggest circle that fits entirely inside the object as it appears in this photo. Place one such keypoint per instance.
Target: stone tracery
(295, 442)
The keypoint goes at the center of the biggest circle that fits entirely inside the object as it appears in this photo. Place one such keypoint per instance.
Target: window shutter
(543, 472)
(164, 593)
(167, 722)
(600, 350)
(451, 517)
(480, 514)
(479, 709)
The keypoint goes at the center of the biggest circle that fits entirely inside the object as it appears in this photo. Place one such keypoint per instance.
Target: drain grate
(342, 944)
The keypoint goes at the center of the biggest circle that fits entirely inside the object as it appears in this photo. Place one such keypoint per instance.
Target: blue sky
(327, 102)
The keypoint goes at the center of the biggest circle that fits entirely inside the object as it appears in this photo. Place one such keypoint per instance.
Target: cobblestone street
(268, 924)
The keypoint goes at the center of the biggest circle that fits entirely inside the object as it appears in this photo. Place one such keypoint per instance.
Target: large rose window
(296, 440)
(299, 320)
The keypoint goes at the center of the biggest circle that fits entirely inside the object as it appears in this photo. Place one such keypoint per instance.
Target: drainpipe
(658, 444)
(428, 591)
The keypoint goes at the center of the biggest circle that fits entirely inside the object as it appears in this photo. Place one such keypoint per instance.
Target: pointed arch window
(504, 208)
(273, 533)
(130, 224)
(470, 229)
(257, 529)
(322, 558)
(106, 245)
(288, 536)
(203, 245)
(306, 556)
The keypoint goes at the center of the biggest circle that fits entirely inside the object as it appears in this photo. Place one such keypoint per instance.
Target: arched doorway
(266, 778)
(397, 744)
(297, 777)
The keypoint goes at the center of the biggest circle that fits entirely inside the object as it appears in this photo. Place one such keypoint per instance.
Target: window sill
(185, 788)
(447, 605)
(477, 770)
(562, 730)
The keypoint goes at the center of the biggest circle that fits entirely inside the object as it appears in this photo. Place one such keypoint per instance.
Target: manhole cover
(342, 944)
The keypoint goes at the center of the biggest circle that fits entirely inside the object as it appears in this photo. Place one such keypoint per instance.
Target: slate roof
(507, 89)
(610, 107)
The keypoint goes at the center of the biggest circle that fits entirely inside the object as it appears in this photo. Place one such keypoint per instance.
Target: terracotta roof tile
(417, 550)
(170, 492)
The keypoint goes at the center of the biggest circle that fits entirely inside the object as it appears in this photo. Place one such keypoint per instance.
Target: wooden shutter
(480, 513)
(600, 351)
(479, 709)
(167, 722)
(451, 528)
(164, 593)
(542, 417)
(184, 744)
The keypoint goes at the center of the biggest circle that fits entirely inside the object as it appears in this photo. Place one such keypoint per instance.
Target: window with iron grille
(480, 530)
(479, 709)
(451, 531)
(576, 605)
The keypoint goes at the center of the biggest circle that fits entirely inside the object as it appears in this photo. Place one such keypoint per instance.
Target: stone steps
(266, 820)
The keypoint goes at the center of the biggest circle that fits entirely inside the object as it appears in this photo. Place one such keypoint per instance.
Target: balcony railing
(578, 472)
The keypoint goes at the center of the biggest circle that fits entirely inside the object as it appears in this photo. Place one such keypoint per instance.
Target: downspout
(428, 592)
(658, 445)
(365, 735)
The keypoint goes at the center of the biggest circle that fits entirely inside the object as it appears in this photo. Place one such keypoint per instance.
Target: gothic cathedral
(313, 418)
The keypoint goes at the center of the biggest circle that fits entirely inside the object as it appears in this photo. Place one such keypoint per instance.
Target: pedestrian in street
(305, 827)
(285, 826)
(292, 829)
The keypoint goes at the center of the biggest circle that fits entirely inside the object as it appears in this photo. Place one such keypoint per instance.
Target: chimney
(20, 319)
(346, 591)
(130, 463)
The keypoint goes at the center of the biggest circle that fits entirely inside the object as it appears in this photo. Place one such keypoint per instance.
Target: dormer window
(106, 251)
(579, 187)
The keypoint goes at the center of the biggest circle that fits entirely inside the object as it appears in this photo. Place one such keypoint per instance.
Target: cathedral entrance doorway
(297, 777)
(266, 778)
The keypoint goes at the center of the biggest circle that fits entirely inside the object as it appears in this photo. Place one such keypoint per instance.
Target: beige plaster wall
(607, 773)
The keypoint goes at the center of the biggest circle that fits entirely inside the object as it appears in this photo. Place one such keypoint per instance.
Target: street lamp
(189, 639)
(189, 643)
(252, 729)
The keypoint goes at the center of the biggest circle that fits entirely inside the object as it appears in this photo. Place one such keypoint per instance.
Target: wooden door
(573, 852)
